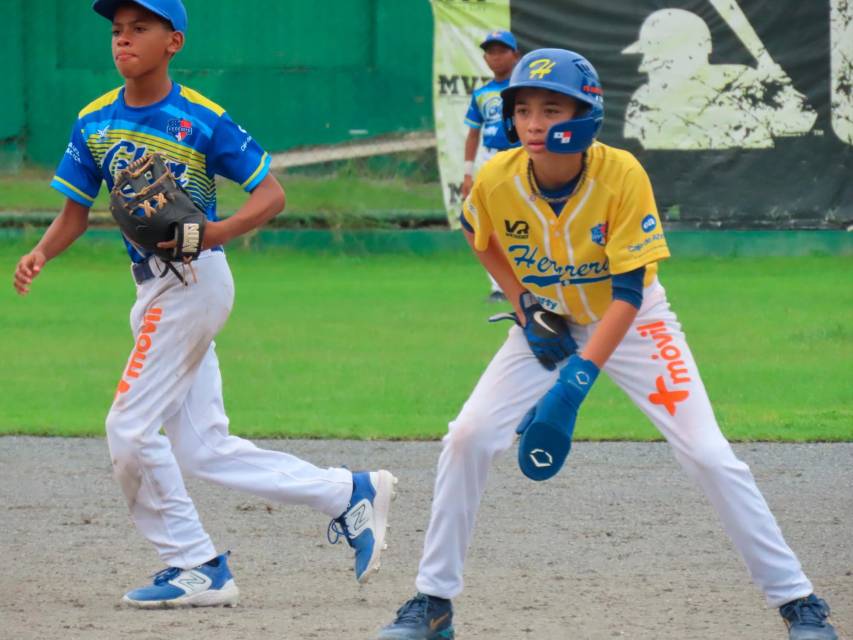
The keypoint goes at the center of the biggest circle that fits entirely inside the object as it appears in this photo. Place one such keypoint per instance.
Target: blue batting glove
(547, 333)
(546, 430)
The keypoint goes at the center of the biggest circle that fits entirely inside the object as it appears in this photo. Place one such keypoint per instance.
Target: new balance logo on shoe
(192, 581)
(207, 585)
(364, 522)
(359, 517)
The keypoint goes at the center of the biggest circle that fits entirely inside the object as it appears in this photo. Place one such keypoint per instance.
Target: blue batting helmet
(564, 72)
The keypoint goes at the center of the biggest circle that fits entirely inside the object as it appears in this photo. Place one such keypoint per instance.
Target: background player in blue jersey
(485, 114)
(171, 380)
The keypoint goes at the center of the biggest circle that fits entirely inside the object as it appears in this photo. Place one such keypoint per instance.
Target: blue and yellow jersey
(196, 135)
(610, 225)
(486, 112)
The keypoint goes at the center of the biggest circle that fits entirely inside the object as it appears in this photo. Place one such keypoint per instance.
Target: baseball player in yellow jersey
(569, 228)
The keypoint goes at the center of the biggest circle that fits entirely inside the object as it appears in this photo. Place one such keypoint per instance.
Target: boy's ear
(176, 44)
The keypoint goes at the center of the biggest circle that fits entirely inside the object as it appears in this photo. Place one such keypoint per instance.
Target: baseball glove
(151, 208)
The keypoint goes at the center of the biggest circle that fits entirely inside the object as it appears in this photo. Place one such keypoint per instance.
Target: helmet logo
(541, 67)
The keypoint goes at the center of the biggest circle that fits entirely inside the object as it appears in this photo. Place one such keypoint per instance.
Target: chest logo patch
(599, 234)
(179, 128)
(517, 229)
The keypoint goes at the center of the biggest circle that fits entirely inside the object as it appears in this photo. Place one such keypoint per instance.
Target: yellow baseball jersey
(610, 225)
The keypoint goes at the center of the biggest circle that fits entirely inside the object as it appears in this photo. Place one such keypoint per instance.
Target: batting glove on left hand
(547, 333)
(547, 429)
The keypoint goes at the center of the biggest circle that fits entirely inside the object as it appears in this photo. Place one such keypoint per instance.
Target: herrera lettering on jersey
(676, 369)
(554, 273)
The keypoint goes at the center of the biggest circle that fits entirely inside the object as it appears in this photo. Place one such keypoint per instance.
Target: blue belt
(142, 271)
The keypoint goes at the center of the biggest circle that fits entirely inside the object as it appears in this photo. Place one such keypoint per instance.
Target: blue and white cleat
(808, 619)
(365, 520)
(207, 585)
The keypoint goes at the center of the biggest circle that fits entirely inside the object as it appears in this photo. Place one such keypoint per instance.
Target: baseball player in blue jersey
(570, 229)
(500, 51)
(171, 379)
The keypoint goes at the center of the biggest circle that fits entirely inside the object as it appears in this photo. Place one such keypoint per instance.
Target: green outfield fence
(426, 241)
(294, 73)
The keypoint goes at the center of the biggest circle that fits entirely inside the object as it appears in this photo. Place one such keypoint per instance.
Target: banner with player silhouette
(740, 110)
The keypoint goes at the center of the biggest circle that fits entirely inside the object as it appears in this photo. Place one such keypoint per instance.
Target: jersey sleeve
(78, 176)
(236, 155)
(475, 217)
(635, 234)
(473, 118)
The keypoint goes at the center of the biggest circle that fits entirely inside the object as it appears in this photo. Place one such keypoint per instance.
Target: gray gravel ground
(620, 545)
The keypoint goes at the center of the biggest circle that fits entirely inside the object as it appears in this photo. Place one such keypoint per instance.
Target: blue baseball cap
(500, 36)
(171, 10)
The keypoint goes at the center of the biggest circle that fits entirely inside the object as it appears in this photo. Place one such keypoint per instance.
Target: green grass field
(323, 345)
(336, 198)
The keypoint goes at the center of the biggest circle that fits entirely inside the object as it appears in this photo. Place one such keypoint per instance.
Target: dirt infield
(620, 545)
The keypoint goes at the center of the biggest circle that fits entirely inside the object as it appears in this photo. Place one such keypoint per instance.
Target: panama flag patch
(564, 137)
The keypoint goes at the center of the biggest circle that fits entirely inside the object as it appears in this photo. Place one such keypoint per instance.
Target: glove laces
(168, 266)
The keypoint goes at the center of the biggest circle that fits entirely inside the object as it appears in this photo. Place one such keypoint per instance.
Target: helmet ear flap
(509, 128)
(508, 106)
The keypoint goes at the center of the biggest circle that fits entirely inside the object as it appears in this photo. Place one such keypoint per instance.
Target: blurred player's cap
(500, 36)
(171, 10)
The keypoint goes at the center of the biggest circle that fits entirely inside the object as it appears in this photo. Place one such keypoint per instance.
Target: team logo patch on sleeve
(180, 128)
(74, 152)
(599, 234)
(649, 223)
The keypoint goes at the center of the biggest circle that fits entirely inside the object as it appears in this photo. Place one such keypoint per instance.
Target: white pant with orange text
(172, 382)
(655, 367)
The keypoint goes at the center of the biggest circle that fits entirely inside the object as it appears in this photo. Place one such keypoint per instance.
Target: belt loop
(141, 271)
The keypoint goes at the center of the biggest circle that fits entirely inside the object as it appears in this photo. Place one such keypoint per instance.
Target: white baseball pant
(655, 367)
(172, 381)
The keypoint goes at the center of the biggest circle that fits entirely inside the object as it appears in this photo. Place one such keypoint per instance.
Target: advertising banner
(740, 110)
